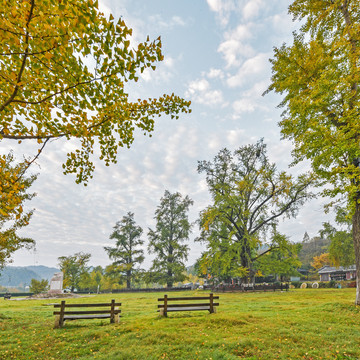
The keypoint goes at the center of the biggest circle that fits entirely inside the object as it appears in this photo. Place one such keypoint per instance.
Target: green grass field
(300, 324)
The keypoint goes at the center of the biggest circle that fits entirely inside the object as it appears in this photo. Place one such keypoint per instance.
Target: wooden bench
(187, 304)
(112, 313)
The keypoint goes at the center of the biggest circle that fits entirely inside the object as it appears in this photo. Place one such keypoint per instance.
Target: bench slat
(184, 305)
(78, 317)
(190, 298)
(171, 309)
(87, 305)
(87, 312)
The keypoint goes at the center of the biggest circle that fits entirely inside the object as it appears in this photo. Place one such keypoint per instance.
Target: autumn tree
(63, 68)
(39, 286)
(127, 253)
(318, 76)
(321, 260)
(249, 196)
(74, 267)
(13, 193)
(166, 241)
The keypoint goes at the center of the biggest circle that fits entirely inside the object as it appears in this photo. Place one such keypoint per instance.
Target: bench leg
(117, 318)
(57, 322)
(162, 313)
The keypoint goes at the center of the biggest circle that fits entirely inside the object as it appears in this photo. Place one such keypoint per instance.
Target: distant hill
(21, 276)
(43, 271)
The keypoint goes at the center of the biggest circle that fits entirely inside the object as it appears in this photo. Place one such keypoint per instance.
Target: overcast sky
(216, 55)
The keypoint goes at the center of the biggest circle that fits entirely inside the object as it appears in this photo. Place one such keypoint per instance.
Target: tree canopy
(166, 241)
(318, 76)
(249, 195)
(127, 254)
(63, 68)
(13, 193)
(74, 267)
(39, 286)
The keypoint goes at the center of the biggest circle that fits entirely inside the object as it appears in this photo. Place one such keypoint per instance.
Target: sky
(216, 55)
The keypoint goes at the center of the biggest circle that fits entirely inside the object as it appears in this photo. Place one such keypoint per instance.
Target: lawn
(299, 324)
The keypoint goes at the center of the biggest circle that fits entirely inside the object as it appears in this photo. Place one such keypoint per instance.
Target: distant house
(328, 273)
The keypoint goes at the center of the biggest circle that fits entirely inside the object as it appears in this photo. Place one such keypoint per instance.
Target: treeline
(238, 230)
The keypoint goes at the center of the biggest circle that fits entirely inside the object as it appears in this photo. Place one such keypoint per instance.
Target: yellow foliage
(321, 260)
(13, 194)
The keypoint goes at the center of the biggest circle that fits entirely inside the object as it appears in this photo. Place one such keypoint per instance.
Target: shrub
(39, 286)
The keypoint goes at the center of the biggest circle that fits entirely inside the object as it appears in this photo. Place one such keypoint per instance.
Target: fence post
(165, 305)
(211, 303)
(112, 312)
(60, 321)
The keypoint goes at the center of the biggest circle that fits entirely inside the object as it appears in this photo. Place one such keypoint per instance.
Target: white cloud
(251, 67)
(169, 62)
(251, 99)
(234, 47)
(215, 73)
(223, 8)
(178, 21)
(234, 137)
(214, 141)
(199, 91)
(215, 5)
(244, 105)
(164, 23)
(198, 86)
(252, 8)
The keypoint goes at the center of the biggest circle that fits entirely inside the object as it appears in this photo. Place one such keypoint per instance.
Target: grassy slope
(308, 324)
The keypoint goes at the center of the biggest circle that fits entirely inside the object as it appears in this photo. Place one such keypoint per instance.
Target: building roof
(332, 269)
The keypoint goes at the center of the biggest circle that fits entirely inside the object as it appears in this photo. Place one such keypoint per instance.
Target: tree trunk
(246, 262)
(169, 282)
(356, 238)
(128, 279)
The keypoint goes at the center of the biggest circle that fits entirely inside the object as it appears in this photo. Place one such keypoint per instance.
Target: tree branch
(22, 68)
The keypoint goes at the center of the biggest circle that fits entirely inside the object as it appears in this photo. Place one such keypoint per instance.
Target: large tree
(74, 267)
(167, 240)
(63, 69)
(13, 193)
(127, 253)
(318, 75)
(249, 196)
